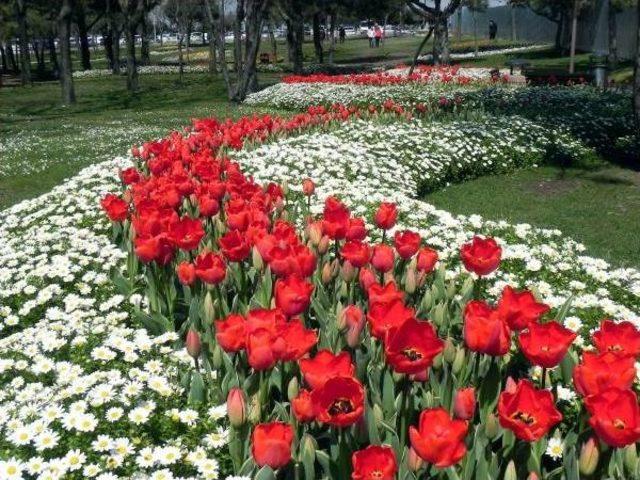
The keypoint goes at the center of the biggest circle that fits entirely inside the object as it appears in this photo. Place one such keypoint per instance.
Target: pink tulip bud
(510, 385)
(326, 274)
(308, 187)
(367, 278)
(323, 246)
(193, 343)
(589, 456)
(533, 476)
(236, 407)
(464, 403)
(347, 271)
(354, 319)
(414, 462)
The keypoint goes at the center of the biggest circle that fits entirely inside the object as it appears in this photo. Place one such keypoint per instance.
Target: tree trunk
(144, 37)
(476, 47)
(132, 67)
(558, 39)
(107, 41)
(53, 57)
(115, 69)
(332, 36)
(25, 60)
(248, 79)
(566, 33)
(180, 63)
(613, 35)
(636, 82)
(3, 57)
(459, 25)
(81, 21)
(514, 26)
(295, 40)
(211, 26)
(11, 57)
(274, 43)
(222, 45)
(237, 36)
(574, 34)
(417, 54)
(317, 39)
(66, 73)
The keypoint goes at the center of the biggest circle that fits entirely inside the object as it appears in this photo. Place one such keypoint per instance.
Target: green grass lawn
(598, 207)
(36, 133)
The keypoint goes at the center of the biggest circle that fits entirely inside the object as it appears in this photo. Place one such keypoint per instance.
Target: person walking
(377, 32)
(371, 36)
(342, 33)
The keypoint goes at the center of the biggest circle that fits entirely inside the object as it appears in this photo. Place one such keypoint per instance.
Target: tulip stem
(544, 377)
(405, 411)
(296, 471)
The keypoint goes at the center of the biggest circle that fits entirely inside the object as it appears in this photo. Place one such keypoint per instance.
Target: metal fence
(592, 29)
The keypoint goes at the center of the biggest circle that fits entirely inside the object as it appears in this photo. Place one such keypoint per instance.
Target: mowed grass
(42, 143)
(598, 207)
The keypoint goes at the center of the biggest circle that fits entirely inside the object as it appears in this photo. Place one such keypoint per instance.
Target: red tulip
(427, 259)
(482, 256)
(439, 439)
(464, 403)
(231, 333)
(234, 247)
(339, 401)
(383, 258)
(325, 365)
(384, 316)
(615, 416)
(129, 176)
(271, 444)
(519, 309)
(484, 331)
(600, 372)
(292, 340)
(335, 218)
(186, 233)
(546, 344)
(260, 352)
(210, 268)
(386, 215)
(302, 407)
(528, 412)
(293, 295)
(384, 294)
(116, 208)
(186, 273)
(407, 243)
(622, 338)
(411, 347)
(357, 253)
(192, 343)
(375, 462)
(357, 229)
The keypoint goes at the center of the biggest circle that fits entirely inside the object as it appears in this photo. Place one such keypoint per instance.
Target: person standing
(370, 36)
(342, 33)
(377, 32)
(493, 30)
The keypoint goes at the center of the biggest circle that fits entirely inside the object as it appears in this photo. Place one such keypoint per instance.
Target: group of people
(375, 35)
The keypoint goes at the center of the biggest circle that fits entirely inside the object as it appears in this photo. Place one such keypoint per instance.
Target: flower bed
(73, 340)
(319, 335)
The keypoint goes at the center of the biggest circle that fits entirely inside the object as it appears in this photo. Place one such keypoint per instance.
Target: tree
(474, 7)
(578, 6)
(636, 81)
(514, 4)
(438, 18)
(180, 14)
(615, 7)
(133, 11)
(23, 41)
(293, 13)
(64, 32)
(557, 11)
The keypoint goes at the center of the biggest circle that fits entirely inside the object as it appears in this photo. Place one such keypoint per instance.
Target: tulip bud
(427, 301)
(255, 409)
(308, 187)
(428, 399)
(293, 388)
(256, 259)
(354, 321)
(589, 456)
(344, 290)
(491, 427)
(326, 273)
(347, 272)
(366, 278)
(308, 448)
(323, 245)
(315, 233)
(284, 215)
(209, 308)
(341, 319)
(510, 473)
(414, 462)
(217, 360)
(437, 361)
(388, 277)
(464, 403)
(533, 476)
(451, 290)
(458, 361)
(236, 407)
(630, 458)
(221, 228)
(193, 344)
(378, 414)
(449, 352)
(410, 281)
